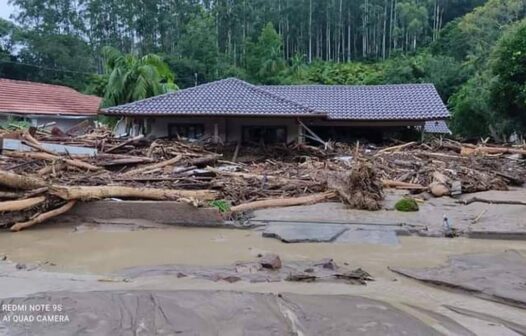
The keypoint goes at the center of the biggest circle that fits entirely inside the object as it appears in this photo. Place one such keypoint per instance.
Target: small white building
(41, 104)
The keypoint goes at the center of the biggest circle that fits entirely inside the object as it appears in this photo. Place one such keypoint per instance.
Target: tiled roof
(21, 97)
(436, 126)
(372, 102)
(339, 102)
(224, 97)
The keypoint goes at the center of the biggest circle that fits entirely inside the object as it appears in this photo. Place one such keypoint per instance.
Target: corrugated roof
(22, 97)
(224, 97)
(436, 126)
(339, 102)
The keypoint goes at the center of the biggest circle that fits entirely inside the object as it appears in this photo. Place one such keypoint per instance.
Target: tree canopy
(467, 48)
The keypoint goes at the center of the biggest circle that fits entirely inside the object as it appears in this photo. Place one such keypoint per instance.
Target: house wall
(229, 129)
(63, 123)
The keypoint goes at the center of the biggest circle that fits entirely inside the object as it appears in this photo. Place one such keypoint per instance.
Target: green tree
(472, 115)
(264, 59)
(132, 78)
(508, 92)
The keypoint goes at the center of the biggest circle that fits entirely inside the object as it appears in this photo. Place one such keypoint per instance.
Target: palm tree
(131, 78)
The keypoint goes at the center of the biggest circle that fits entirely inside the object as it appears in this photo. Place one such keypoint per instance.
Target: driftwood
(273, 178)
(50, 157)
(489, 201)
(491, 150)
(124, 143)
(100, 192)
(397, 147)
(44, 216)
(155, 166)
(402, 185)
(21, 204)
(283, 202)
(16, 181)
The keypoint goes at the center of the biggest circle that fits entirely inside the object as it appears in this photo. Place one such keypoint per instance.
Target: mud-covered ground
(137, 277)
(84, 259)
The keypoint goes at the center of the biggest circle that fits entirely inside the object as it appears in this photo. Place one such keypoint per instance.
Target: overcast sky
(5, 9)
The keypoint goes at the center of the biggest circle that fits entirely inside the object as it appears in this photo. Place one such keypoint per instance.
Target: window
(264, 134)
(189, 131)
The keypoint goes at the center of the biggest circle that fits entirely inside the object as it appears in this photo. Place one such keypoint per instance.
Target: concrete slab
(378, 237)
(496, 277)
(304, 232)
(161, 212)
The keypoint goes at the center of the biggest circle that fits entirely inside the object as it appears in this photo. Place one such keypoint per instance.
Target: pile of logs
(39, 184)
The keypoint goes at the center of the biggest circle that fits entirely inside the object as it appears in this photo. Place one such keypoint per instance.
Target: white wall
(63, 123)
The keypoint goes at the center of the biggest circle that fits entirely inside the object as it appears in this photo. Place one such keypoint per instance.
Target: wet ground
(478, 220)
(60, 258)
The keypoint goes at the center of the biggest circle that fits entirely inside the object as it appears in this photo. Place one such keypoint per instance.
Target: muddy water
(102, 252)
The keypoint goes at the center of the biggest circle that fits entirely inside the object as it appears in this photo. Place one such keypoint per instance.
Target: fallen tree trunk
(49, 157)
(283, 202)
(483, 200)
(155, 166)
(124, 143)
(21, 204)
(396, 148)
(492, 150)
(86, 193)
(16, 181)
(43, 216)
(273, 178)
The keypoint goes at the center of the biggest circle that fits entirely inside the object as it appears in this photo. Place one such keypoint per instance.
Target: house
(45, 103)
(231, 110)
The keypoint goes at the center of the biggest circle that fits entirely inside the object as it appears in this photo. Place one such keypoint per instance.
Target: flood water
(104, 252)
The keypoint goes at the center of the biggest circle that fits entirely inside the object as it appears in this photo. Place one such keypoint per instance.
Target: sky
(5, 9)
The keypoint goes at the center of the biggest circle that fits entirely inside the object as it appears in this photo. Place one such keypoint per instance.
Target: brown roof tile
(21, 97)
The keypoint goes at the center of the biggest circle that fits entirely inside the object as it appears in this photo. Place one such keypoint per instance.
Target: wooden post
(216, 133)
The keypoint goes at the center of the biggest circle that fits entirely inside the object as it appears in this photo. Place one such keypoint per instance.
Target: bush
(406, 204)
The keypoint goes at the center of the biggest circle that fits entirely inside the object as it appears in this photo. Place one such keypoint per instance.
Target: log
(34, 143)
(205, 160)
(16, 181)
(50, 157)
(52, 168)
(396, 148)
(276, 179)
(44, 216)
(491, 150)
(10, 195)
(284, 202)
(401, 185)
(21, 204)
(86, 193)
(154, 166)
(489, 201)
(124, 143)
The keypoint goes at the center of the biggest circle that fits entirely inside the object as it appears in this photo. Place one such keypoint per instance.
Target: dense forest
(474, 51)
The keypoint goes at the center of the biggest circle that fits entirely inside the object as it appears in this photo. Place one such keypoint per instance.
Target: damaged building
(232, 110)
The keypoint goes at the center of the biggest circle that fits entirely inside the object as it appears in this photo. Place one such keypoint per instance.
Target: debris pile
(43, 174)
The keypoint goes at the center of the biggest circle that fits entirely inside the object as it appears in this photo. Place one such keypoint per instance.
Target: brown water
(102, 252)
